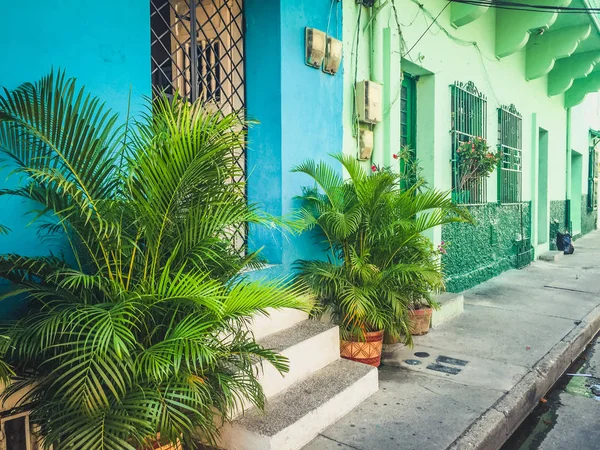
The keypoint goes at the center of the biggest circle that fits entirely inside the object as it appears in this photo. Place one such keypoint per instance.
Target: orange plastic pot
(366, 352)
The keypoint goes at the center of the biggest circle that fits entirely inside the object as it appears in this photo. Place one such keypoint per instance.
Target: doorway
(408, 131)
(542, 188)
(576, 192)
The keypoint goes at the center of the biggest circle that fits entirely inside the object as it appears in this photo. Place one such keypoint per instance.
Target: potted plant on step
(378, 260)
(421, 309)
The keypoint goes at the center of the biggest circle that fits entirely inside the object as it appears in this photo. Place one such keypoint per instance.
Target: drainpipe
(568, 172)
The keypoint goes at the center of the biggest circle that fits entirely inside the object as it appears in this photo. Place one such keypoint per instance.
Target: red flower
(395, 156)
(374, 168)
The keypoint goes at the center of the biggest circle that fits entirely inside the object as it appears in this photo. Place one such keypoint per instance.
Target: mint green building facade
(448, 71)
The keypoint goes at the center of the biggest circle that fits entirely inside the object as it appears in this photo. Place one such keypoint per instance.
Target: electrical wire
(464, 43)
(405, 24)
(427, 29)
(356, 43)
(329, 18)
(517, 6)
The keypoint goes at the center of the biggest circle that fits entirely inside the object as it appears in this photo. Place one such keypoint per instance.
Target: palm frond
(381, 264)
(148, 334)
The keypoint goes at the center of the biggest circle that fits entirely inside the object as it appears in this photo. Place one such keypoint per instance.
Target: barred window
(469, 121)
(510, 146)
(197, 49)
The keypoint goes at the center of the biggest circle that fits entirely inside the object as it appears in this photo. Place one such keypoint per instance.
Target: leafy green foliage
(475, 160)
(147, 333)
(379, 265)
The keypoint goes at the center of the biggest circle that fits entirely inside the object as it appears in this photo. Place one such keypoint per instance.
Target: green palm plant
(379, 262)
(145, 332)
(6, 373)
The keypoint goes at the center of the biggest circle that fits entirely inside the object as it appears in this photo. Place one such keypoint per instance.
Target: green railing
(469, 120)
(510, 145)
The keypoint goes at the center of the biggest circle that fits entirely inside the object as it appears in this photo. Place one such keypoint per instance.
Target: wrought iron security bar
(510, 145)
(469, 120)
(197, 50)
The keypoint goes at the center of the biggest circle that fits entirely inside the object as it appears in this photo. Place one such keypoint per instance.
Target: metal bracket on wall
(367, 3)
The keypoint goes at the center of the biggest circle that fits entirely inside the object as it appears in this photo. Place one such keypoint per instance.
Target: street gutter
(499, 422)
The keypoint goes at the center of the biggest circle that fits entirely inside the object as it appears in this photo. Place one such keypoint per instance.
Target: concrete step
(551, 256)
(451, 306)
(276, 321)
(297, 415)
(309, 346)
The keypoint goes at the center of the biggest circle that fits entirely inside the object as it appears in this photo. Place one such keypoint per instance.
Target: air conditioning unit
(368, 101)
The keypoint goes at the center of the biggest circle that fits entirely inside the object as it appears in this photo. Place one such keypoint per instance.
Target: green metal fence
(469, 120)
(510, 145)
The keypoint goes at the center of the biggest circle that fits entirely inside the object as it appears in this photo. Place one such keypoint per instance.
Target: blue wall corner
(263, 103)
(105, 45)
(299, 109)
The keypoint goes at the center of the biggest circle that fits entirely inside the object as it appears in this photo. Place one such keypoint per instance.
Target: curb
(498, 423)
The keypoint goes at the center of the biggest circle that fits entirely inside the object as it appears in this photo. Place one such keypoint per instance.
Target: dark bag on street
(568, 248)
(560, 243)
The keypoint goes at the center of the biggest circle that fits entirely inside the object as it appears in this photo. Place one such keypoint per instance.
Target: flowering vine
(475, 160)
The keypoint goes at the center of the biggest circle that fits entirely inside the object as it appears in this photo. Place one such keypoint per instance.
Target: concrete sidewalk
(482, 373)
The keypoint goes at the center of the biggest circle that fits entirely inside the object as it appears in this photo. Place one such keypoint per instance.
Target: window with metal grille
(469, 120)
(510, 146)
(408, 111)
(197, 50)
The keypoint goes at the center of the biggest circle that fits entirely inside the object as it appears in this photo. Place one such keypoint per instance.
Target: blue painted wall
(299, 107)
(105, 44)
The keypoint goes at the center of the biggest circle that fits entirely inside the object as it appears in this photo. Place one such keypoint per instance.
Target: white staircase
(318, 390)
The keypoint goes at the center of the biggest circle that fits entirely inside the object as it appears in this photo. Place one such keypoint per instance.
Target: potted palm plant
(378, 261)
(421, 309)
(143, 334)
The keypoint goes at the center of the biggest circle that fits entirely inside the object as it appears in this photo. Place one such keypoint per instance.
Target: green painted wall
(476, 254)
(576, 192)
(558, 220)
(439, 57)
(589, 218)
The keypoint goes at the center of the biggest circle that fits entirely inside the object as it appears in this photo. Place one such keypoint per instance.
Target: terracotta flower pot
(366, 352)
(419, 321)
